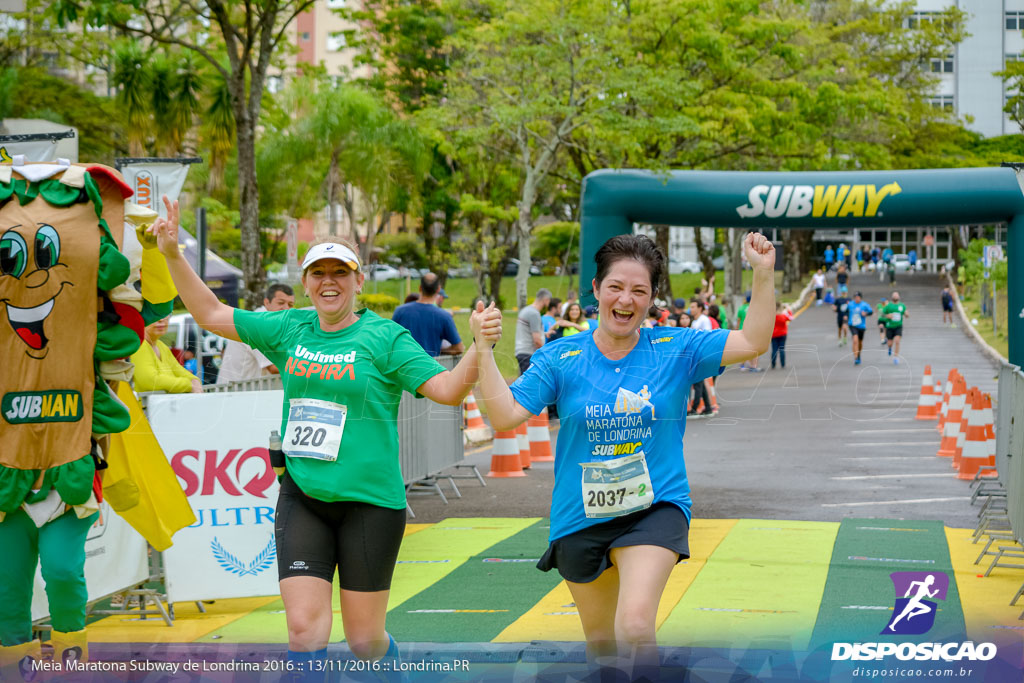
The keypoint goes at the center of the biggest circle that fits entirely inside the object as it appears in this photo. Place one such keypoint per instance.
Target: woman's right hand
(166, 230)
(485, 323)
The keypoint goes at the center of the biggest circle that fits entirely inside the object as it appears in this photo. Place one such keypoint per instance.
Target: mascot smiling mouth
(28, 323)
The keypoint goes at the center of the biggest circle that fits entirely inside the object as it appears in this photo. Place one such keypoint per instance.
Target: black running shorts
(313, 537)
(857, 332)
(891, 332)
(583, 556)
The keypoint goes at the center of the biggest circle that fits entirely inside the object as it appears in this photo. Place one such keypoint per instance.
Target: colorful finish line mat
(781, 600)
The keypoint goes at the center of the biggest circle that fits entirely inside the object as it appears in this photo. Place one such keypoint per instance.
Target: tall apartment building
(967, 86)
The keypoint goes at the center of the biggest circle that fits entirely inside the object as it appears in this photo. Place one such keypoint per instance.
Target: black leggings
(313, 537)
(700, 392)
(779, 349)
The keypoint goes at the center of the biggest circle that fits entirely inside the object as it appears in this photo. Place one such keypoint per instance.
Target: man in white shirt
(240, 361)
(698, 319)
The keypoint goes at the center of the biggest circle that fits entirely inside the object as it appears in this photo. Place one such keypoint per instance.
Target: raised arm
(756, 336)
(207, 310)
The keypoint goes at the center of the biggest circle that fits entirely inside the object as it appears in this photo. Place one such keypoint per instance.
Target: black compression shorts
(313, 537)
(858, 332)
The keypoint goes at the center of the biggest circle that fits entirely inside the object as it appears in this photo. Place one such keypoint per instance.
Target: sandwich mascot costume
(68, 320)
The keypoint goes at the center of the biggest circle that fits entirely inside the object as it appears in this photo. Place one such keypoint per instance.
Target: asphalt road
(821, 439)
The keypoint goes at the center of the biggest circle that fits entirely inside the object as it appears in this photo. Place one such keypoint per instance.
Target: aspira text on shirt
(306, 363)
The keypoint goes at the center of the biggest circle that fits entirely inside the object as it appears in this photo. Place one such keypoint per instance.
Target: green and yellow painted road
(750, 583)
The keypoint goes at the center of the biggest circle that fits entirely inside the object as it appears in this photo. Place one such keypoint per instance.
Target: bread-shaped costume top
(67, 321)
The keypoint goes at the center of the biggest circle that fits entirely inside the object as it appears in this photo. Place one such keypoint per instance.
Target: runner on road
(857, 312)
(840, 307)
(947, 306)
(621, 392)
(841, 278)
(893, 314)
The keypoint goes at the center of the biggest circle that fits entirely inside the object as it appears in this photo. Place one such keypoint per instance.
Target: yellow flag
(139, 483)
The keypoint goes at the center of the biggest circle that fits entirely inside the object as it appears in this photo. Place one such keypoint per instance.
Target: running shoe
(708, 413)
(895, 361)
(856, 361)
(757, 369)
(890, 350)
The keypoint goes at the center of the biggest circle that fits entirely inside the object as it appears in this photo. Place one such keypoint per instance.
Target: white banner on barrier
(217, 444)
(115, 558)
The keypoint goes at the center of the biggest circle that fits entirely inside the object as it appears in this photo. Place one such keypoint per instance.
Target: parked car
(461, 271)
(676, 267)
(181, 335)
(512, 268)
(382, 271)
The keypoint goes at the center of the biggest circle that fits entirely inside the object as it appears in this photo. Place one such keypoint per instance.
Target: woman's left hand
(759, 251)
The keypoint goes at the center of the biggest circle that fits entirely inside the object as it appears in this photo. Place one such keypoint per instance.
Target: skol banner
(217, 445)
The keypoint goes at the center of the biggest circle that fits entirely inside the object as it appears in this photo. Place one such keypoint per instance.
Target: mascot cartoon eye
(47, 246)
(13, 254)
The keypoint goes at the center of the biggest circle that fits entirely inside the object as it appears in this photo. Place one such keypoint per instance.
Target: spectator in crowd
(530, 328)
(241, 361)
(554, 313)
(573, 322)
(678, 308)
(411, 296)
(783, 316)
(156, 368)
(428, 324)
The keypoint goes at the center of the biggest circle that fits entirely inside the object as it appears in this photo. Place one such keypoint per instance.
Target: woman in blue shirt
(620, 508)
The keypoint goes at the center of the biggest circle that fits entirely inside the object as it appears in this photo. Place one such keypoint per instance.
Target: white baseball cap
(331, 250)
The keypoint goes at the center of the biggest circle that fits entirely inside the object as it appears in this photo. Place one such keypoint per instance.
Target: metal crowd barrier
(1010, 444)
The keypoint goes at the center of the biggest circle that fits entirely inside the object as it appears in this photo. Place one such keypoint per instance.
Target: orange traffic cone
(965, 421)
(944, 406)
(505, 460)
(928, 402)
(476, 428)
(980, 442)
(540, 438)
(710, 384)
(523, 439)
(954, 413)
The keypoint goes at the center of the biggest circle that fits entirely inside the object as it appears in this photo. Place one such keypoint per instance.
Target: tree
(250, 34)
(526, 75)
(558, 242)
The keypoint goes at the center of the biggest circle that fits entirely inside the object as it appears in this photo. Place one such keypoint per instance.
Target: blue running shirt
(857, 312)
(611, 409)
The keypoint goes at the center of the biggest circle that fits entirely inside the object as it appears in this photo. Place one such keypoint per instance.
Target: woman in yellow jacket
(156, 368)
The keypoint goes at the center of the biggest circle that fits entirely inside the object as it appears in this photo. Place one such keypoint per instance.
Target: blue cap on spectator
(679, 303)
(590, 311)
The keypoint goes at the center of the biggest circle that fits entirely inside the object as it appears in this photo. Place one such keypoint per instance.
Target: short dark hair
(278, 287)
(700, 303)
(412, 296)
(555, 303)
(430, 284)
(713, 311)
(637, 247)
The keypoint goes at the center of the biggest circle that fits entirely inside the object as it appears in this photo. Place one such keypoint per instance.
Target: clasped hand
(485, 324)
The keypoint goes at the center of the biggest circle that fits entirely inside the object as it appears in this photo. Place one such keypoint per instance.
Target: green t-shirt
(741, 313)
(897, 312)
(365, 367)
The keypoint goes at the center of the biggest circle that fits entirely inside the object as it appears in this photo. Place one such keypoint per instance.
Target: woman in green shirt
(342, 500)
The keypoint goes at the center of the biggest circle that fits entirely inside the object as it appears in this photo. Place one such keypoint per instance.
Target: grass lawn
(998, 341)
